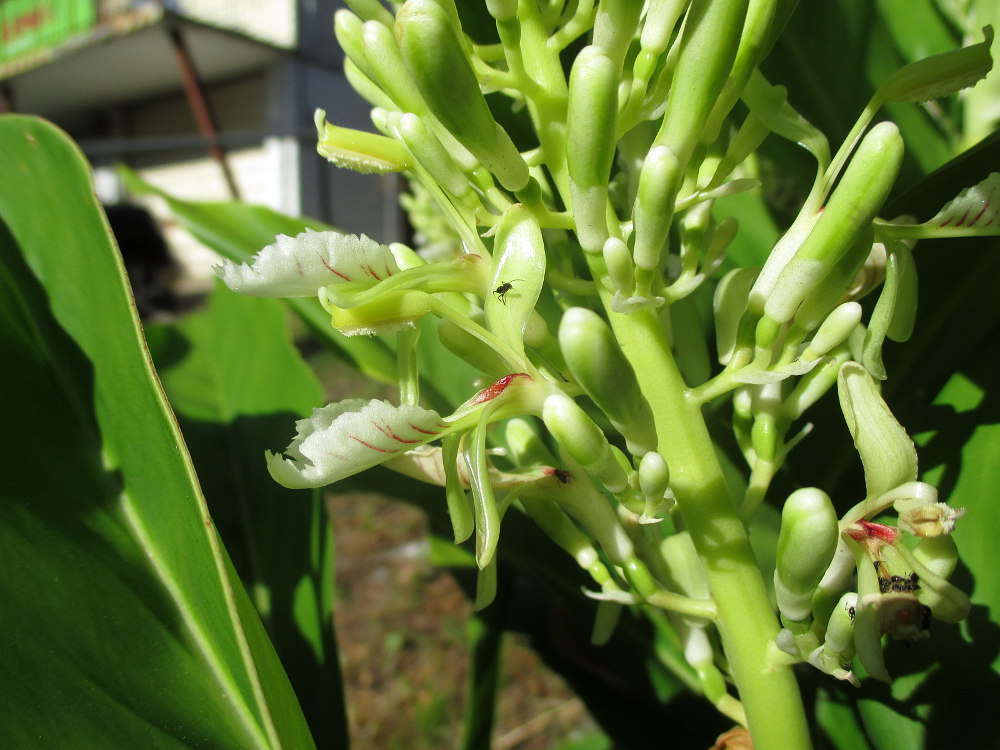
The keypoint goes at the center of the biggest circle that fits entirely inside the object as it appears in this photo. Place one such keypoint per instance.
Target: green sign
(28, 26)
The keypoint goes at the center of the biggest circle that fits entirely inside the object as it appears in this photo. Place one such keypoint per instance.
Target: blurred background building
(207, 99)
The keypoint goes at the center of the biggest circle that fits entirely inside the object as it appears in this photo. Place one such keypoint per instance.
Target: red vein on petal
(331, 269)
(420, 429)
(369, 445)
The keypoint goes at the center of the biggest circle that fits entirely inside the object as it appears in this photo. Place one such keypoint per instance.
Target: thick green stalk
(746, 621)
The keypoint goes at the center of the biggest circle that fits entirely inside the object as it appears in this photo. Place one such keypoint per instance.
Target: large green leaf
(123, 626)
(237, 385)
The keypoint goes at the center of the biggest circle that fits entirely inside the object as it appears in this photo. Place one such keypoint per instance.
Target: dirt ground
(401, 628)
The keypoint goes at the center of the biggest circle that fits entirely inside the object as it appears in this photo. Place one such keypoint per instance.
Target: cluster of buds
(898, 589)
(545, 243)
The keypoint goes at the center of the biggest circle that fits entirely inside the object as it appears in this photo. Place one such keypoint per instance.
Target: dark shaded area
(151, 269)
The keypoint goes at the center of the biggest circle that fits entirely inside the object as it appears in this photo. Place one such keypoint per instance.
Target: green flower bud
(810, 388)
(599, 366)
(432, 155)
(887, 453)
(573, 429)
(729, 303)
(711, 37)
(852, 207)
(590, 147)
(836, 284)
(659, 24)
(388, 68)
(618, 260)
(834, 331)
(615, 26)
(502, 10)
(347, 29)
(654, 475)
(839, 638)
(438, 63)
(371, 10)
(653, 209)
(806, 543)
(896, 309)
(583, 440)
(939, 75)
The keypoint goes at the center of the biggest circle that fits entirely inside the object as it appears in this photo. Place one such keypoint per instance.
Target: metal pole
(201, 109)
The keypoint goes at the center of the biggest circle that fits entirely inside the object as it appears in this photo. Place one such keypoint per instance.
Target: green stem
(746, 621)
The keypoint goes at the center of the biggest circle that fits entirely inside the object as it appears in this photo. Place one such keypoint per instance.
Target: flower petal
(341, 439)
(298, 266)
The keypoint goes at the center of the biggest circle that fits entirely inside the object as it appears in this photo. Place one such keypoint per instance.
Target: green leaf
(235, 397)
(121, 616)
(237, 231)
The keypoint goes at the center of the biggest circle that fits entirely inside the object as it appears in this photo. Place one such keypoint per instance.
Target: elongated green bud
(388, 68)
(834, 331)
(855, 202)
(831, 290)
(654, 483)
(939, 75)
(615, 26)
(810, 388)
(653, 209)
(590, 147)
(708, 48)
(432, 155)
(595, 360)
(806, 543)
(582, 439)
(438, 63)
(502, 10)
(896, 309)
(840, 629)
(371, 10)
(730, 302)
(654, 475)
(618, 259)
(347, 29)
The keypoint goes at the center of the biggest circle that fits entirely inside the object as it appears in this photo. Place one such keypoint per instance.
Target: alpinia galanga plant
(563, 267)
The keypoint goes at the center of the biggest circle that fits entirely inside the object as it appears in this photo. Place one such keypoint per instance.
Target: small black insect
(505, 286)
(562, 475)
(851, 612)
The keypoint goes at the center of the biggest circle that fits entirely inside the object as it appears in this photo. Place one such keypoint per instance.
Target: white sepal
(298, 266)
(975, 208)
(349, 436)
